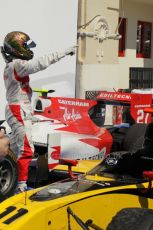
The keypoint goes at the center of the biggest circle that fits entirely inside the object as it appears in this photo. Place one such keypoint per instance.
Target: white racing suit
(19, 110)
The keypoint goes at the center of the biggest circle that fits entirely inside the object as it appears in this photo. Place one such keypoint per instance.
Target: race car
(81, 124)
(77, 129)
(116, 194)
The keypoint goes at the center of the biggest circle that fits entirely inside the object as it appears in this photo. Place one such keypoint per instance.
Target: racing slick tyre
(8, 175)
(132, 219)
(134, 138)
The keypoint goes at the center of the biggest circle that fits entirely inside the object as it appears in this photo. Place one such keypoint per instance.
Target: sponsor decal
(75, 103)
(111, 161)
(97, 156)
(115, 96)
(142, 106)
(71, 114)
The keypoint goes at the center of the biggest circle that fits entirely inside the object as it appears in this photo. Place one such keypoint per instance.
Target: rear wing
(115, 96)
(137, 103)
(43, 92)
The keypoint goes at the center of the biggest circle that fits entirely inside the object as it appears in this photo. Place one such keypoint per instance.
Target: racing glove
(70, 51)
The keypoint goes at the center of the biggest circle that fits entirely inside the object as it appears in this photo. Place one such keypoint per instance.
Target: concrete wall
(134, 11)
(92, 74)
(112, 71)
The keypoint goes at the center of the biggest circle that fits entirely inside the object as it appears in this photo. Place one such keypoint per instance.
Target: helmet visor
(30, 44)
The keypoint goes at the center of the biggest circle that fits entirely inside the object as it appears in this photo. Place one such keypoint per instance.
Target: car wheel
(8, 175)
(133, 219)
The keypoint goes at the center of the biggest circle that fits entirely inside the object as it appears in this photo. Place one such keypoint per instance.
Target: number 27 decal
(142, 117)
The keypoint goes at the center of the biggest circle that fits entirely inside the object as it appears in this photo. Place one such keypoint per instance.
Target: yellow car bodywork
(83, 166)
(91, 197)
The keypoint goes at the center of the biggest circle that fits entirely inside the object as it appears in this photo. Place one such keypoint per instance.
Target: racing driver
(18, 56)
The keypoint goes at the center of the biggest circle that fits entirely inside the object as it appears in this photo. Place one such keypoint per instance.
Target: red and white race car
(88, 129)
(82, 129)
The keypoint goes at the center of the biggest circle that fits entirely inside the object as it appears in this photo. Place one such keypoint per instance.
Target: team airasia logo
(70, 114)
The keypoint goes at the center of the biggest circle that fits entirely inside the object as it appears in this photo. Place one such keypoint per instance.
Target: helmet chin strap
(7, 58)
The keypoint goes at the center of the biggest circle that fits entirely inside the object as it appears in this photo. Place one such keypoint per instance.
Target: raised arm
(24, 68)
